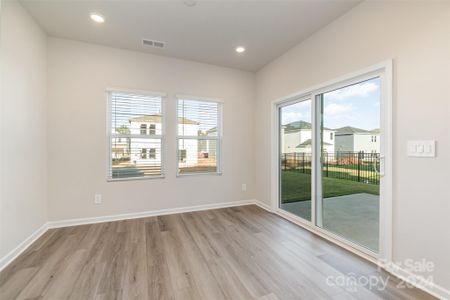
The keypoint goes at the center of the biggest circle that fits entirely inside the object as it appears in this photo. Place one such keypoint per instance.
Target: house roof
(308, 143)
(156, 118)
(348, 130)
(299, 125)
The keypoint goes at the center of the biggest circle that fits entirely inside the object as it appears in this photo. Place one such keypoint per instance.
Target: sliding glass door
(329, 161)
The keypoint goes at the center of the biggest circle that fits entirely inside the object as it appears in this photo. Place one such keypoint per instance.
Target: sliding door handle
(382, 163)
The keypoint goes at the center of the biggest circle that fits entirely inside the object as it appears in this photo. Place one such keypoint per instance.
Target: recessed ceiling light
(240, 49)
(190, 3)
(97, 18)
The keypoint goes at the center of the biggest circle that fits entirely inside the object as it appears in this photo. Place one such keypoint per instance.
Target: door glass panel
(295, 158)
(348, 182)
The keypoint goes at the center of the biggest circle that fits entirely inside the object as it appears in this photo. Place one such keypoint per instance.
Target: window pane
(197, 118)
(197, 156)
(143, 128)
(152, 129)
(133, 114)
(295, 160)
(152, 153)
(135, 157)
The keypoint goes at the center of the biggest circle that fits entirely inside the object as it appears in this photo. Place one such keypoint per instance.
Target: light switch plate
(422, 148)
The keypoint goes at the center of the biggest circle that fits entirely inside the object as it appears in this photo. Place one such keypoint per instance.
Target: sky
(204, 112)
(357, 105)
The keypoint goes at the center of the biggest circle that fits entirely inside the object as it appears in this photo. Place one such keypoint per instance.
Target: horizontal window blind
(199, 136)
(136, 135)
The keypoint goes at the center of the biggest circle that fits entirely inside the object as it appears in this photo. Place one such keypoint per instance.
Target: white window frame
(218, 138)
(109, 135)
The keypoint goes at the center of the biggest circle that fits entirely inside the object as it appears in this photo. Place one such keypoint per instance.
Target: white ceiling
(207, 32)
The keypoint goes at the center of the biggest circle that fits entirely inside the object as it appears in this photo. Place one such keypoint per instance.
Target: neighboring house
(296, 137)
(146, 151)
(351, 139)
(188, 148)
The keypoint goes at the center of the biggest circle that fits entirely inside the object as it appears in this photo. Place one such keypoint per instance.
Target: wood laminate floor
(231, 253)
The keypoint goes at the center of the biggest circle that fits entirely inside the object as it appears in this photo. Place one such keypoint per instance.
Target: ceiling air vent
(153, 43)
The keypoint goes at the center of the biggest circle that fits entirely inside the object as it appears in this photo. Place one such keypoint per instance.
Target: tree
(125, 130)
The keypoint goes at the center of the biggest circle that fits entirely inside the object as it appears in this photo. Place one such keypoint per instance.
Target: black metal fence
(355, 166)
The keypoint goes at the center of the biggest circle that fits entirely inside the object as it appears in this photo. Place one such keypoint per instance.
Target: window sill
(135, 178)
(199, 174)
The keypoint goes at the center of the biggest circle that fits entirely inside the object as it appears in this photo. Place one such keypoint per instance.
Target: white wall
(23, 157)
(417, 36)
(79, 73)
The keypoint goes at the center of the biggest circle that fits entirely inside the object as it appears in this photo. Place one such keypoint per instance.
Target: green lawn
(296, 186)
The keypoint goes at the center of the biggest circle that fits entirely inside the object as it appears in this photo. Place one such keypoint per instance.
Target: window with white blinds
(136, 134)
(199, 136)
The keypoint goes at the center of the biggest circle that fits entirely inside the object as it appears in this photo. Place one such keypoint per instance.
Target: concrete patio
(354, 217)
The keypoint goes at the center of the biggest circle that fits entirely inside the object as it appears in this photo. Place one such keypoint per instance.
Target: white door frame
(384, 71)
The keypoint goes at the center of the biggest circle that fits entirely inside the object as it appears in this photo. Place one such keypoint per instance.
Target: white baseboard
(14, 253)
(263, 205)
(418, 281)
(152, 213)
(413, 279)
